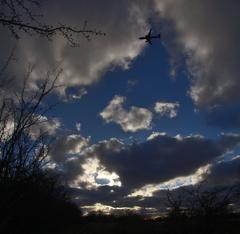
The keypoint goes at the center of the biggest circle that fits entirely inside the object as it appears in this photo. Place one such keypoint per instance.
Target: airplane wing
(149, 34)
(149, 41)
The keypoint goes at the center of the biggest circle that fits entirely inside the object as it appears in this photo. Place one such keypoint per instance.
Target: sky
(135, 119)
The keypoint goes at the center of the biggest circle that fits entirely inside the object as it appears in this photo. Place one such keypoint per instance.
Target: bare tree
(174, 202)
(18, 17)
(207, 201)
(199, 209)
(21, 152)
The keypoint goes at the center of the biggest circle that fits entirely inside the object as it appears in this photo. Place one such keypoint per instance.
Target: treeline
(224, 224)
(184, 223)
(200, 209)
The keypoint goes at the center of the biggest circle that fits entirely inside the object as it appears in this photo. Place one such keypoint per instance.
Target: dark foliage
(36, 205)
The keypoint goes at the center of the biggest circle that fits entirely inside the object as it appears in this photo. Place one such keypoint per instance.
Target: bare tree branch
(17, 16)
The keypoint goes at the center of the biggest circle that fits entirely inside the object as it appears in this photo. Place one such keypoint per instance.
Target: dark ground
(180, 225)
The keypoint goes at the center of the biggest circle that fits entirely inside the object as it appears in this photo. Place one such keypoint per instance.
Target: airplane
(148, 37)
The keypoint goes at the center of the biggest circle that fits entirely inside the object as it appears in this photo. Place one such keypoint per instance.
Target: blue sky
(150, 72)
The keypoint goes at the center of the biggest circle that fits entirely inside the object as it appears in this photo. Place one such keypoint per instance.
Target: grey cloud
(84, 65)
(116, 197)
(130, 120)
(67, 146)
(208, 34)
(45, 126)
(229, 140)
(67, 154)
(103, 194)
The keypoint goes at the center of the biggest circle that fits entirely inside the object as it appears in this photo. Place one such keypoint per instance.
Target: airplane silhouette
(148, 37)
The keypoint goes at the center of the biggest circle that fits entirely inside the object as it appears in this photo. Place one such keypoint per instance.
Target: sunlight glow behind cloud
(193, 179)
(95, 175)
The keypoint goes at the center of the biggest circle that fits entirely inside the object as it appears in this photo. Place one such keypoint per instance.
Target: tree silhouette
(175, 203)
(22, 152)
(30, 191)
(33, 198)
(200, 208)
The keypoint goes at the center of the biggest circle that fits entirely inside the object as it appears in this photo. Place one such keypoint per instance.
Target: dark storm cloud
(162, 158)
(225, 173)
(208, 34)
(222, 176)
(159, 159)
(103, 194)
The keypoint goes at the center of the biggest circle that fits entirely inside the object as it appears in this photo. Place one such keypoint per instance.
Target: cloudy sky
(135, 119)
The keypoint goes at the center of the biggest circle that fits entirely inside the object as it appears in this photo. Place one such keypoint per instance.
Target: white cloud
(106, 209)
(167, 108)
(130, 120)
(76, 95)
(78, 126)
(155, 135)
